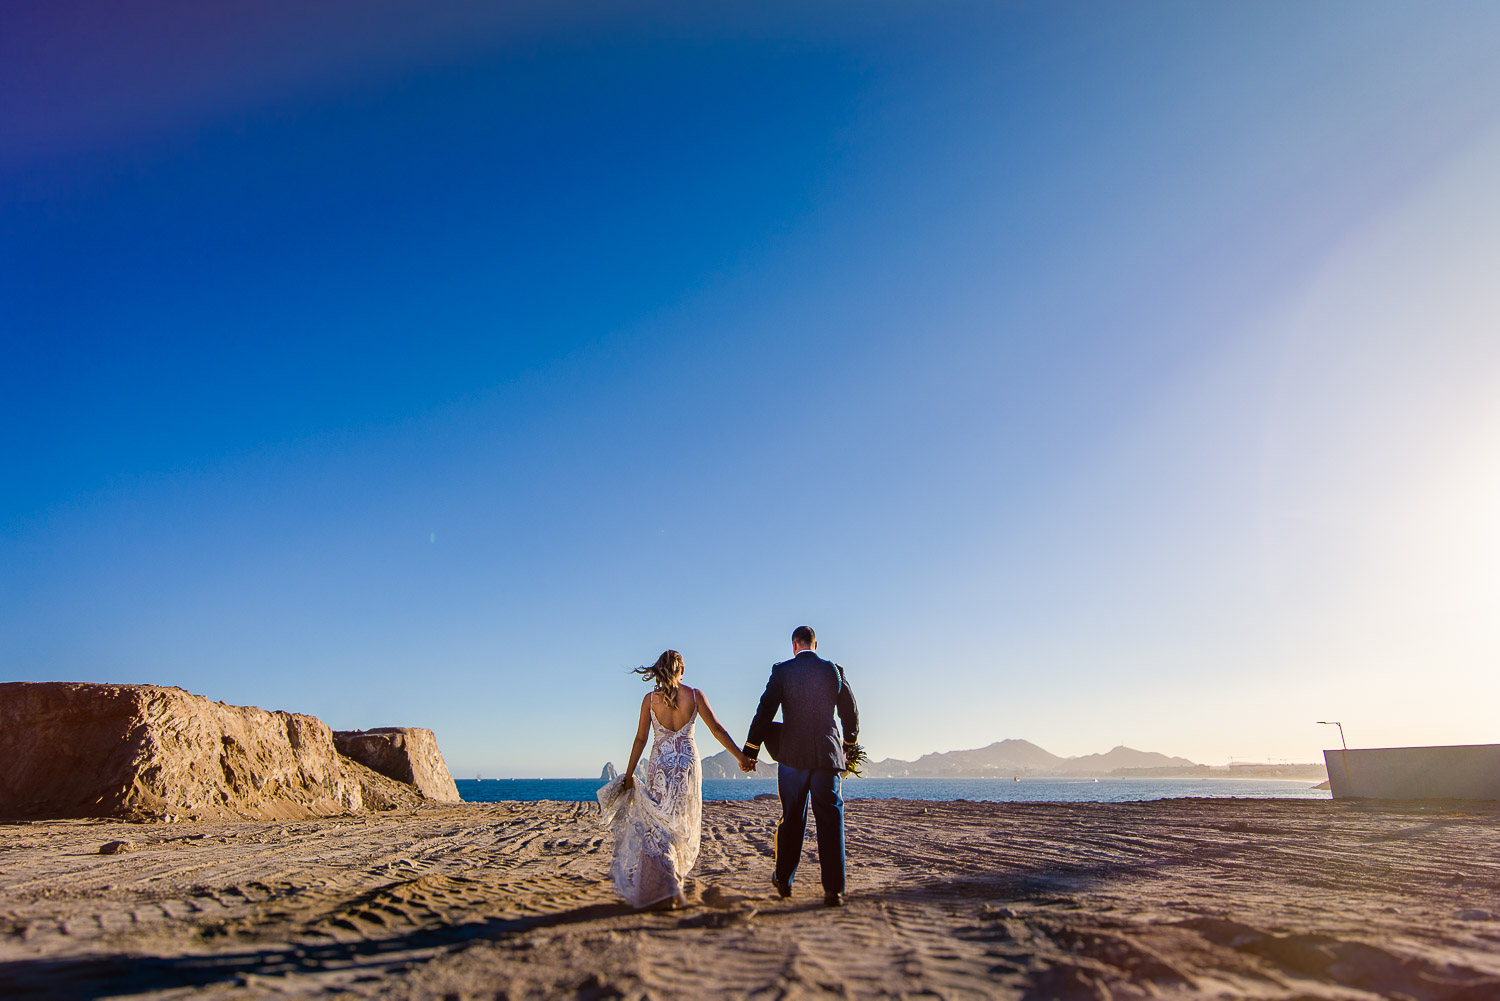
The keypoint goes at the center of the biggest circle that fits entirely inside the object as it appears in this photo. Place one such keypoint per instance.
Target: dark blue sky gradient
(372, 255)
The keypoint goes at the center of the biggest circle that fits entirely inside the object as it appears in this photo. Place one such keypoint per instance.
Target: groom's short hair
(804, 635)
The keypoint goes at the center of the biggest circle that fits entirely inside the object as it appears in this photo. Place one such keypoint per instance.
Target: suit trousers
(822, 786)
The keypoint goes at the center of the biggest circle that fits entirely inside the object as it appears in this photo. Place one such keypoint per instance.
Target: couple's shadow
(89, 977)
(96, 977)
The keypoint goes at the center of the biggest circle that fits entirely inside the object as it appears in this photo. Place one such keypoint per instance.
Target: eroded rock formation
(405, 753)
(145, 751)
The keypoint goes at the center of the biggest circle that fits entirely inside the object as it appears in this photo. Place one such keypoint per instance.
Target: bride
(656, 823)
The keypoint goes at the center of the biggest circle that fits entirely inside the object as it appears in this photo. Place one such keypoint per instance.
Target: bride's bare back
(676, 717)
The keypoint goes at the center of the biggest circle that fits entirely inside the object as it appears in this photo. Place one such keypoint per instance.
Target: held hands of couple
(747, 763)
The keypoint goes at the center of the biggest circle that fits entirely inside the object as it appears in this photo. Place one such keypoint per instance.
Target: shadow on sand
(89, 977)
(1056, 882)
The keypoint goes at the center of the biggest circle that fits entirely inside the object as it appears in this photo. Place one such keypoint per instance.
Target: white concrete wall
(1463, 771)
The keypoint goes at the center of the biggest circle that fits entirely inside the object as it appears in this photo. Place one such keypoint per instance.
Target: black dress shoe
(831, 899)
(782, 889)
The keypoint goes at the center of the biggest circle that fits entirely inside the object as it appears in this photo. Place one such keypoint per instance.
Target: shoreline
(934, 789)
(956, 778)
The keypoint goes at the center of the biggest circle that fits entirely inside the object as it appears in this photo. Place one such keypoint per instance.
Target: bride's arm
(640, 741)
(716, 728)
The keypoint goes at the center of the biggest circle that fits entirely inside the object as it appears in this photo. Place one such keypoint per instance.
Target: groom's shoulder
(802, 661)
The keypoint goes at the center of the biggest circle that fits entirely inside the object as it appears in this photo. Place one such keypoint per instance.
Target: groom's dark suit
(808, 690)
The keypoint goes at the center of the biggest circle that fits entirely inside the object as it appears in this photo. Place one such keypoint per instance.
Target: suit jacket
(808, 690)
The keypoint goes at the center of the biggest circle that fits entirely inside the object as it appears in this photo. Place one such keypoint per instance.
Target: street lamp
(1324, 722)
(1343, 755)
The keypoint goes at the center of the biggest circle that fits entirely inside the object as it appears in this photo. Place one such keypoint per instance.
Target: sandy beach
(1185, 898)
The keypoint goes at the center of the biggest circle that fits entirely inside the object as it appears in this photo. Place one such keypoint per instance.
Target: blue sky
(1082, 373)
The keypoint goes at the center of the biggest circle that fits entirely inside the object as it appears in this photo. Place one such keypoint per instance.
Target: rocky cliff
(405, 753)
(145, 751)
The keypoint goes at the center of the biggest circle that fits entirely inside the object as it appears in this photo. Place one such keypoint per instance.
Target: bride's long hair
(666, 672)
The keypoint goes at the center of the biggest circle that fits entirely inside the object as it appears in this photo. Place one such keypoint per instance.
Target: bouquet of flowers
(854, 756)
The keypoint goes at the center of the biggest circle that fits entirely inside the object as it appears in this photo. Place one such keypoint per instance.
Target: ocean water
(1040, 790)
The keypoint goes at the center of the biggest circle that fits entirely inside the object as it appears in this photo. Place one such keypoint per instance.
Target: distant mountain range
(1002, 758)
(723, 766)
(1015, 758)
(1020, 757)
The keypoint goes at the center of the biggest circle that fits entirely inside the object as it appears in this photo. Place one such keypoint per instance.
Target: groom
(807, 689)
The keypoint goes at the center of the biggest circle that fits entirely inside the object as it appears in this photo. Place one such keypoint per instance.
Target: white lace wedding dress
(657, 823)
